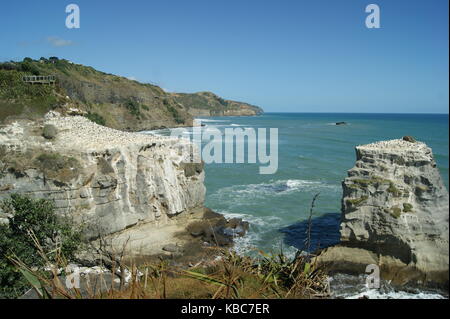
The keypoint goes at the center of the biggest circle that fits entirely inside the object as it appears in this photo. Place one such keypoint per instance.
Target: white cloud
(58, 42)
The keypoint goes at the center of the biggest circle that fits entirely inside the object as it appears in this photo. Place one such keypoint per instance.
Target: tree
(55, 234)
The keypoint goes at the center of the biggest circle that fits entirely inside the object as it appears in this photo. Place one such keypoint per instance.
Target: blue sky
(286, 56)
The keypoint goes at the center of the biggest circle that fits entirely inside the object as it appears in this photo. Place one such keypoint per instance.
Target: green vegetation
(234, 276)
(133, 107)
(373, 180)
(421, 188)
(356, 201)
(211, 102)
(394, 190)
(54, 166)
(394, 211)
(96, 118)
(407, 208)
(31, 221)
(231, 276)
(18, 97)
(103, 94)
(58, 167)
(178, 119)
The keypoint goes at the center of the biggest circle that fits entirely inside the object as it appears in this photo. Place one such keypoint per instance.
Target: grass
(231, 276)
(178, 119)
(133, 107)
(20, 98)
(394, 190)
(375, 181)
(58, 167)
(356, 201)
(394, 211)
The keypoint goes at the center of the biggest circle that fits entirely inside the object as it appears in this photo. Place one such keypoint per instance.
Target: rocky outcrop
(394, 214)
(112, 182)
(209, 104)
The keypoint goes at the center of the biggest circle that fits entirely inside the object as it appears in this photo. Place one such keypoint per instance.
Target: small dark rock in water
(409, 139)
(341, 123)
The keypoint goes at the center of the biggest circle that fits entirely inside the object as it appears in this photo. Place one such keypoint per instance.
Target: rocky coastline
(138, 194)
(135, 192)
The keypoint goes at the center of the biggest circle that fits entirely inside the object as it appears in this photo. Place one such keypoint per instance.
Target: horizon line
(331, 112)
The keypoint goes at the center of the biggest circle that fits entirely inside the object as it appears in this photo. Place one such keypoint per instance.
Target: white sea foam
(274, 188)
(212, 120)
(377, 294)
(259, 225)
(260, 221)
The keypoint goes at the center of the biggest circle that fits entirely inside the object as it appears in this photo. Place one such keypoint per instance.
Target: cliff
(209, 104)
(109, 100)
(394, 214)
(109, 181)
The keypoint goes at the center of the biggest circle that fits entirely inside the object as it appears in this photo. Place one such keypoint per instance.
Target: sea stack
(395, 215)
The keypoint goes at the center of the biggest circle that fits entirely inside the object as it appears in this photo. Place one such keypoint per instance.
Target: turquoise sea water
(314, 156)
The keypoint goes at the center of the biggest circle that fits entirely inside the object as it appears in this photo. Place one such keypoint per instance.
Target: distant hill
(107, 99)
(209, 104)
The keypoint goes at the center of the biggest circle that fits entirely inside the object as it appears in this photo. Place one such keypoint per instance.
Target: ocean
(314, 155)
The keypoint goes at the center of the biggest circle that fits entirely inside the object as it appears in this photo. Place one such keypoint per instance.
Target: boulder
(409, 139)
(49, 131)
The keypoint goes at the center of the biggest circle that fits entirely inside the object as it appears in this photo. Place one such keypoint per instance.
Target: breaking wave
(276, 188)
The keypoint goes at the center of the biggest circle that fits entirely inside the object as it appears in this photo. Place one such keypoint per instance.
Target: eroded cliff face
(109, 180)
(394, 214)
(209, 104)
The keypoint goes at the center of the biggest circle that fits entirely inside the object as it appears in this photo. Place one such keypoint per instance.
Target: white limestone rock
(395, 206)
(108, 180)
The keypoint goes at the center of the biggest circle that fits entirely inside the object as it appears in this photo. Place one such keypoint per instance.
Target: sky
(285, 56)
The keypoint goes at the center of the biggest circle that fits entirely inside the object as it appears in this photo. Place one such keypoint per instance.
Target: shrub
(51, 231)
(29, 67)
(176, 116)
(49, 131)
(96, 118)
(133, 107)
(394, 190)
(407, 208)
(395, 212)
